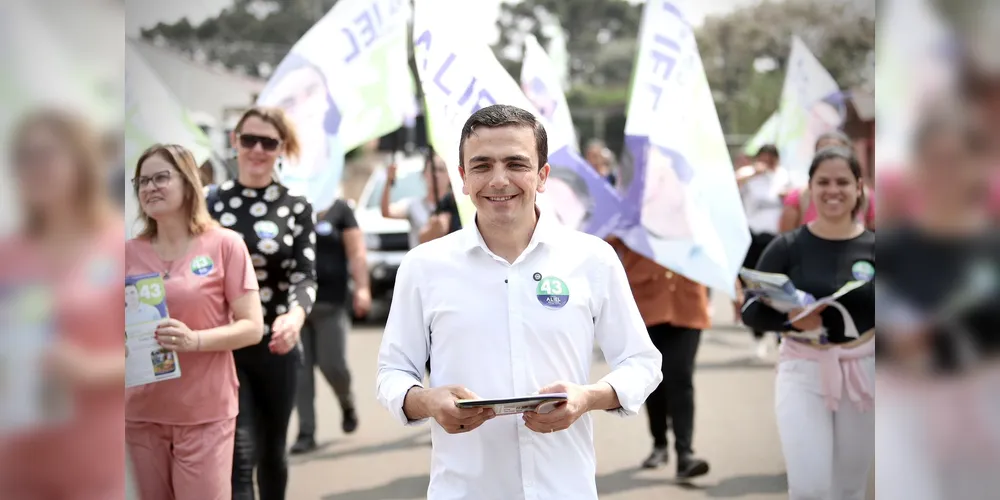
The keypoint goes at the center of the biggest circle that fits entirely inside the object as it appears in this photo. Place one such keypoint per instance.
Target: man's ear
(465, 187)
(543, 175)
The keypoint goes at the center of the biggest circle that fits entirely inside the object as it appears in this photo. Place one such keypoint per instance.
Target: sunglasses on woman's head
(248, 141)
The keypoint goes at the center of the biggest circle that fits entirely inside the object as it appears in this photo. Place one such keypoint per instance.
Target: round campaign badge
(324, 228)
(265, 229)
(202, 265)
(552, 292)
(863, 270)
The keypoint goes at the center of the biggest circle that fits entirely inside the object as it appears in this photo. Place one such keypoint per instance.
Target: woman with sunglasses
(278, 229)
(824, 390)
(180, 432)
(62, 262)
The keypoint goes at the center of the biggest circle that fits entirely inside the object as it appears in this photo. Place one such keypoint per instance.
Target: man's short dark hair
(504, 115)
(768, 149)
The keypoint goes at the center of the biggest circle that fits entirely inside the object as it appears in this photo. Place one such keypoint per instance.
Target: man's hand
(362, 302)
(578, 402)
(390, 174)
(439, 403)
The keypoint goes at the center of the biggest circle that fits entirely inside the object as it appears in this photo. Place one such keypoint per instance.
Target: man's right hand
(390, 173)
(439, 403)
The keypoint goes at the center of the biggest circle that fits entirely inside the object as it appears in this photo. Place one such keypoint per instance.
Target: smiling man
(510, 306)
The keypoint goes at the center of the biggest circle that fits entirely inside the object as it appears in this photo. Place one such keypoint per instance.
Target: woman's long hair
(194, 204)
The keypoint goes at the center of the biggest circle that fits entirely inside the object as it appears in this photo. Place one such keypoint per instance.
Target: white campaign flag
(541, 83)
(153, 115)
(811, 105)
(459, 76)
(345, 82)
(682, 205)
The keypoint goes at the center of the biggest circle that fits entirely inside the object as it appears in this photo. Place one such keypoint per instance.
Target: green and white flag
(811, 105)
(767, 134)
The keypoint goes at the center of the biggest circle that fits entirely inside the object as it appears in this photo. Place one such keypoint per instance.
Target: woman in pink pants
(180, 432)
(64, 263)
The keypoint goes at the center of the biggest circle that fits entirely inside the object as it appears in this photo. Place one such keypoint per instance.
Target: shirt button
(669, 275)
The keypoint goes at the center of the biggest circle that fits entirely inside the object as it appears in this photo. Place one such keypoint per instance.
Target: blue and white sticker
(552, 292)
(863, 270)
(324, 228)
(265, 229)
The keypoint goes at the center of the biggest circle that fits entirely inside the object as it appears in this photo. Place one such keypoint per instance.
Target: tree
(600, 36)
(840, 34)
(251, 36)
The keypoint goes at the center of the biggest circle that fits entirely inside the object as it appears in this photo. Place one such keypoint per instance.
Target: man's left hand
(577, 403)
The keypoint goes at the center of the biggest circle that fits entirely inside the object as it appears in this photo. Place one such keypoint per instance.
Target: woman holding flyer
(277, 227)
(60, 300)
(825, 385)
(180, 432)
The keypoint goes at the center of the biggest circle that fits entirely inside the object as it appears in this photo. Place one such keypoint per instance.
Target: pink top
(84, 454)
(792, 200)
(840, 371)
(216, 271)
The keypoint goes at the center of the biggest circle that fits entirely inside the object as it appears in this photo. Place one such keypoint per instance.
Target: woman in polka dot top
(278, 230)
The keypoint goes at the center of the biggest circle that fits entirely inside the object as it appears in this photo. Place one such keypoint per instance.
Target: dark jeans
(674, 397)
(758, 242)
(267, 395)
(324, 344)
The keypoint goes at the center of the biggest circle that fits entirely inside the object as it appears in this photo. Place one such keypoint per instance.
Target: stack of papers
(145, 307)
(778, 292)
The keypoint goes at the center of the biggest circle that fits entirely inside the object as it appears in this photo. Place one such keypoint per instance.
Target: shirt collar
(543, 233)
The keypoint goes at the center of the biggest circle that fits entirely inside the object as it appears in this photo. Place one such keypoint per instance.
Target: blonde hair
(276, 117)
(83, 143)
(181, 159)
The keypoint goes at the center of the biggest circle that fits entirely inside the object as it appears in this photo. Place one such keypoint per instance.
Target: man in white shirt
(511, 306)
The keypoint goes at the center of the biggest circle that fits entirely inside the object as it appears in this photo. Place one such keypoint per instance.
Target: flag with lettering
(345, 82)
(460, 75)
(811, 105)
(683, 207)
(153, 115)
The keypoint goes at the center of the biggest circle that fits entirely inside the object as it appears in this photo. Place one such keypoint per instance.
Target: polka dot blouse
(278, 230)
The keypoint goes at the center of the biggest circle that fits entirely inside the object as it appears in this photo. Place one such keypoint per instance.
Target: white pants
(828, 455)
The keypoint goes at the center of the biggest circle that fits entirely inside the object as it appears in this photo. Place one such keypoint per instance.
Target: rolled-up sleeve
(620, 331)
(403, 354)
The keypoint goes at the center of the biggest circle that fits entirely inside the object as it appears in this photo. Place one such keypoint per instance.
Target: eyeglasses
(248, 141)
(159, 180)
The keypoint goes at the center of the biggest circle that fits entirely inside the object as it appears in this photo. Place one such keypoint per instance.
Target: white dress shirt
(762, 198)
(479, 319)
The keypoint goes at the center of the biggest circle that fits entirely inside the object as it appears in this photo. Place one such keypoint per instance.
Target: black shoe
(304, 444)
(658, 457)
(689, 467)
(350, 423)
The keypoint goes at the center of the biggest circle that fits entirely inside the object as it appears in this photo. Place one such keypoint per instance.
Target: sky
(146, 13)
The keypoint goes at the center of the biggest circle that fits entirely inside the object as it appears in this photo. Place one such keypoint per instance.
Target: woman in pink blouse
(180, 432)
(61, 278)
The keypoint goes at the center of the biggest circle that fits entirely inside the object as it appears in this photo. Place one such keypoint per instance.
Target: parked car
(388, 240)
